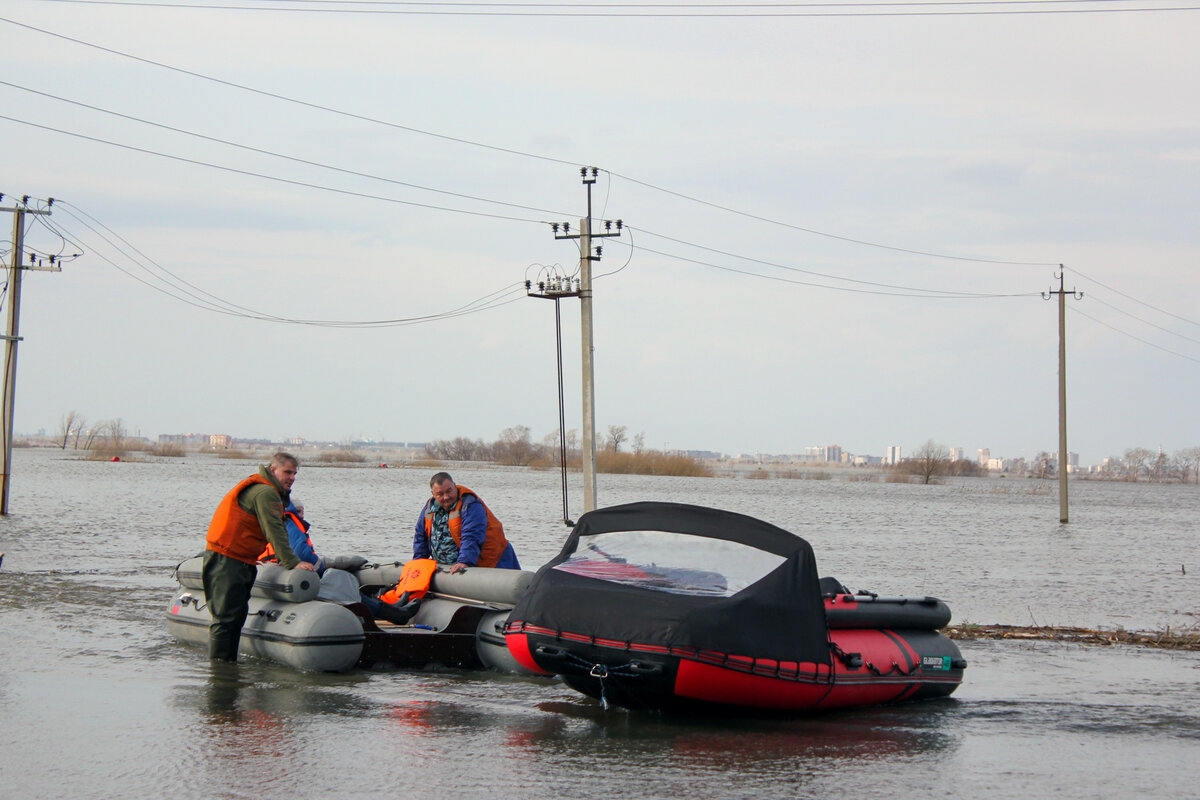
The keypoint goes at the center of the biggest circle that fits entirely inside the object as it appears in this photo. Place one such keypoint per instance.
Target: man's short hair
(440, 477)
(281, 459)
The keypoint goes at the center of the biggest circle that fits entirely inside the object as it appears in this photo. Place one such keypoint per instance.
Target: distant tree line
(932, 461)
(1155, 466)
(515, 447)
(105, 439)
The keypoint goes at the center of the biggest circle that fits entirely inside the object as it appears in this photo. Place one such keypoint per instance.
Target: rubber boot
(399, 614)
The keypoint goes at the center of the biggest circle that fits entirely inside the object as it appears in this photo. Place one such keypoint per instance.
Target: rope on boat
(602, 672)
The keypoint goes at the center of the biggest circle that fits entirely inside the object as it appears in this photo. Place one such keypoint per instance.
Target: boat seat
(831, 586)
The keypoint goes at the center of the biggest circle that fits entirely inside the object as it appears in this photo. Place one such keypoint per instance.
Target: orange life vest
(235, 532)
(414, 579)
(494, 542)
(269, 553)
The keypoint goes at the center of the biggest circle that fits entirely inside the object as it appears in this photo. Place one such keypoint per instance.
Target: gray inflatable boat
(459, 624)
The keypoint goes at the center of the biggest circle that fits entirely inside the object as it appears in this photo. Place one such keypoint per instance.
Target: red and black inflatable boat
(678, 607)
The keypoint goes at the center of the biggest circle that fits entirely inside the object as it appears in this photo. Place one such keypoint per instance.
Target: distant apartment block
(893, 455)
(220, 441)
(985, 455)
(957, 453)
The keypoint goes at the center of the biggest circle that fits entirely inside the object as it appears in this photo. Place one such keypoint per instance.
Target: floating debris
(1187, 639)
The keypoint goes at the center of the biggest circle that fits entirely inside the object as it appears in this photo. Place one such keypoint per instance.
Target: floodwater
(97, 701)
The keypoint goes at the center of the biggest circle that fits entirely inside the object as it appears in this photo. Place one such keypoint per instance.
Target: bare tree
(458, 449)
(514, 448)
(70, 426)
(551, 445)
(1043, 465)
(639, 443)
(1189, 463)
(616, 437)
(1136, 459)
(108, 438)
(89, 436)
(931, 460)
(1160, 467)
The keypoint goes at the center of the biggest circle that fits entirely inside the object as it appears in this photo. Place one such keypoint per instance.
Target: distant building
(833, 453)
(893, 455)
(957, 454)
(985, 455)
(220, 441)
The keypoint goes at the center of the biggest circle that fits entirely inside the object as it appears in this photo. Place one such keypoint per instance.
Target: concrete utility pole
(1062, 391)
(12, 336)
(586, 257)
(555, 287)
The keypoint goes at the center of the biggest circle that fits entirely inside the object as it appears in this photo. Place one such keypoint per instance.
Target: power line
(1147, 322)
(801, 270)
(509, 151)
(924, 293)
(285, 98)
(664, 11)
(216, 304)
(814, 232)
(264, 176)
(1134, 299)
(1135, 338)
(274, 154)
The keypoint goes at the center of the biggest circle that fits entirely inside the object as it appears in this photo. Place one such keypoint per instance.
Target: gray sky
(838, 227)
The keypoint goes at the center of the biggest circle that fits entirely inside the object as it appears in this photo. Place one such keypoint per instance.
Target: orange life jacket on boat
(269, 553)
(235, 532)
(414, 580)
(494, 542)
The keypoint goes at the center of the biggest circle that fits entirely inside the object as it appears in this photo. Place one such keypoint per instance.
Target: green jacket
(267, 503)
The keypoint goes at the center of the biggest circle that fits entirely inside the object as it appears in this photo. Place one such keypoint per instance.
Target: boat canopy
(683, 576)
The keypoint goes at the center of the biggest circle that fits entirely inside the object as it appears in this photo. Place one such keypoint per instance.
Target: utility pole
(12, 335)
(1063, 516)
(586, 257)
(555, 287)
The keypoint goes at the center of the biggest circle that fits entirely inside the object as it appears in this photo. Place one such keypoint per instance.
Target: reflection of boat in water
(663, 605)
(459, 623)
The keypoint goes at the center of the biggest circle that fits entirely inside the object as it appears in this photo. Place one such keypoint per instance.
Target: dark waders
(227, 585)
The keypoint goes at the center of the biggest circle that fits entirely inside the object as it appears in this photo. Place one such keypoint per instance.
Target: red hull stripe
(787, 670)
(518, 645)
(715, 684)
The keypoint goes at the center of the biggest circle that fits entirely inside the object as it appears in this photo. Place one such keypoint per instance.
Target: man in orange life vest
(459, 531)
(250, 516)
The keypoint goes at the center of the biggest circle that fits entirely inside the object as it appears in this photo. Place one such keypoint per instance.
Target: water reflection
(905, 731)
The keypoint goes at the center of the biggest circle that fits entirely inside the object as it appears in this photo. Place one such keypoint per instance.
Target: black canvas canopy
(669, 574)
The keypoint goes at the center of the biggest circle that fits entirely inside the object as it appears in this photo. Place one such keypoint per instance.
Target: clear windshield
(665, 561)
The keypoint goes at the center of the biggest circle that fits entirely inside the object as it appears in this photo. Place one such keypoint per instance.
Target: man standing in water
(249, 517)
(459, 531)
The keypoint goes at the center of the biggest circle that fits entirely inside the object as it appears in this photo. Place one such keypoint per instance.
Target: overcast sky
(838, 229)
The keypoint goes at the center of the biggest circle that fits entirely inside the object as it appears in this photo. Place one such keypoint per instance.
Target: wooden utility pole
(1063, 516)
(11, 337)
